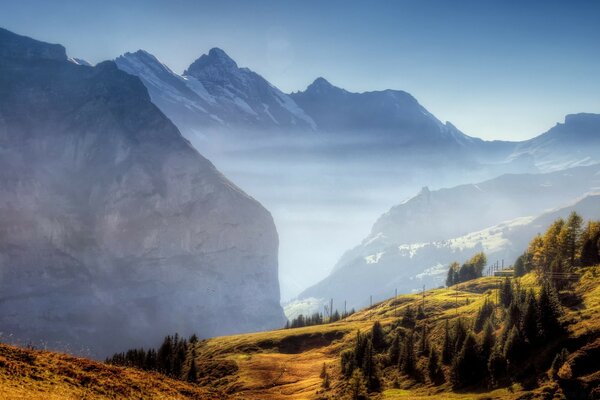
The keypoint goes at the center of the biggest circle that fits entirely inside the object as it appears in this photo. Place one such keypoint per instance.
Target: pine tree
(484, 313)
(378, 337)
(357, 385)
(549, 311)
(408, 354)
(408, 319)
(192, 375)
(423, 341)
(488, 341)
(434, 367)
(394, 350)
(506, 293)
(447, 345)
(348, 362)
(466, 368)
(513, 348)
(460, 332)
(558, 361)
(370, 369)
(529, 322)
(496, 366)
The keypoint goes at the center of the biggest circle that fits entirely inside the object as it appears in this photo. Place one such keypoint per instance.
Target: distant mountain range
(412, 244)
(215, 97)
(114, 230)
(297, 152)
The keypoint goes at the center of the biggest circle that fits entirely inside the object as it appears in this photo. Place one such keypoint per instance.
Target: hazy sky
(497, 70)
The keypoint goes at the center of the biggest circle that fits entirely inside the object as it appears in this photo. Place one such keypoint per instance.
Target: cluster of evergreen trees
(316, 319)
(488, 349)
(472, 269)
(566, 245)
(176, 358)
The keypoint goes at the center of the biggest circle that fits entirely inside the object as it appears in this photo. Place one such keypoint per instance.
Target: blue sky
(496, 69)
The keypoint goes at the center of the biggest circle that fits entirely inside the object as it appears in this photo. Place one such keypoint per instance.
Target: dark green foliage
(558, 361)
(549, 311)
(496, 366)
(357, 385)
(434, 367)
(452, 277)
(192, 374)
(169, 359)
(471, 269)
(423, 341)
(447, 345)
(514, 349)
(460, 332)
(529, 322)
(348, 362)
(514, 316)
(467, 365)
(394, 350)
(369, 368)
(378, 337)
(408, 354)
(408, 319)
(506, 293)
(488, 341)
(484, 313)
(420, 313)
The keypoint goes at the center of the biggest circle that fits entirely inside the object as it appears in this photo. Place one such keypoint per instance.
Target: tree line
(316, 319)
(176, 358)
(495, 347)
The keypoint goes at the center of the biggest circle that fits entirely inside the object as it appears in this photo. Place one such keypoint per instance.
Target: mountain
(392, 113)
(413, 243)
(574, 142)
(115, 231)
(214, 93)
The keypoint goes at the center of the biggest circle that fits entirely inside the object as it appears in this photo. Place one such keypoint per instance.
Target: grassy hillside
(287, 363)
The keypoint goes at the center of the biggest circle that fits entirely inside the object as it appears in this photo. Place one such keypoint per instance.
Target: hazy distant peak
(215, 59)
(322, 86)
(23, 47)
(582, 118)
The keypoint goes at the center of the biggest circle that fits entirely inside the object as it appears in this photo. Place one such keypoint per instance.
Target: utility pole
(395, 302)
(330, 308)
(423, 298)
(371, 301)
(345, 312)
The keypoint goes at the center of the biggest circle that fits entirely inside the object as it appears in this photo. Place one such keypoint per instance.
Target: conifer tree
(529, 323)
(513, 348)
(408, 354)
(460, 332)
(448, 344)
(434, 367)
(496, 366)
(568, 239)
(378, 337)
(488, 341)
(357, 385)
(394, 350)
(370, 369)
(408, 319)
(466, 368)
(558, 361)
(506, 293)
(452, 278)
(484, 313)
(549, 311)
(192, 374)
(423, 341)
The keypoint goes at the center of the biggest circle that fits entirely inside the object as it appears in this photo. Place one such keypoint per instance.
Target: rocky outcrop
(114, 231)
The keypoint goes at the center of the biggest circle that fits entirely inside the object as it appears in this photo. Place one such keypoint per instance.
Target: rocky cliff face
(114, 231)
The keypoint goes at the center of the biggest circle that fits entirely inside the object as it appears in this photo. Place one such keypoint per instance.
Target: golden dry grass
(280, 364)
